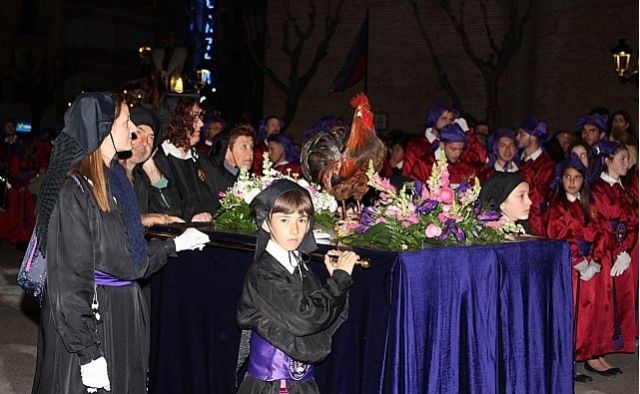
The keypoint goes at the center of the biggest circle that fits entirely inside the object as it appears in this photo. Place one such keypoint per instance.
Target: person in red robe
(593, 128)
(269, 126)
(418, 155)
(213, 126)
(474, 154)
(452, 144)
(21, 204)
(503, 147)
(537, 167)
(614, 203)
(572, 218)
(283, 155)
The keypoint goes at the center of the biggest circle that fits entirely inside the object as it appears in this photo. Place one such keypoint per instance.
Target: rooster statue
(339, 162)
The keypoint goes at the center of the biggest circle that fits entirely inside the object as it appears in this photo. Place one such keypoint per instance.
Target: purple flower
(463, 187)
(489, 216)
(427, 206)
(417, 186)
(367, 219)
(452, 228)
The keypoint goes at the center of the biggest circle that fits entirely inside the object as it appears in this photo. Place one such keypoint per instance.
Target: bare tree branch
(495, 63)
(295, 37)
(487, 29)
(331, 24)
(466, 43)
(251, 23)
(442, 75)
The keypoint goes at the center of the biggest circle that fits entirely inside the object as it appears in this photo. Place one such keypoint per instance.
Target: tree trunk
(291, 106)
(491, 83)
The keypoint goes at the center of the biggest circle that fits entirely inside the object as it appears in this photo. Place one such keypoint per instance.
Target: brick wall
(562, 70)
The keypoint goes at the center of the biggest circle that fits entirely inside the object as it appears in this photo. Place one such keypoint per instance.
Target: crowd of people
(581, 187)
(129, 167)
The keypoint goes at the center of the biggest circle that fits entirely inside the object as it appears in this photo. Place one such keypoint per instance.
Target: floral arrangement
(420, 215)
(235, 213)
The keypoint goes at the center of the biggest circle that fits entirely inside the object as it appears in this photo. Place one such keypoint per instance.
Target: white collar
(170, 149)
(430, 135)
(282, 163)
(605, 177)
(513, 167)
(282, 256)
(399, 165)
(208, 143)
(572, 198)
(534, 156)
(438, 152)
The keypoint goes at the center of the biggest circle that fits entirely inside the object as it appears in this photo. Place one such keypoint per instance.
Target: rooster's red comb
(358, 100)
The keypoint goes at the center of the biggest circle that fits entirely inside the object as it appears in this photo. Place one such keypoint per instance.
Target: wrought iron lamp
(203, 78)
(622, 60)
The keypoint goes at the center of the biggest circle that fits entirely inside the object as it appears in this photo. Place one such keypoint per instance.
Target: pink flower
(386, 184)
(443, 217)
(221, 194)
(393, 211)
(445, 195)
(433, 231)
(444, 177)
(446, 208)
(496, 224)
(425, 194)
(410, 221)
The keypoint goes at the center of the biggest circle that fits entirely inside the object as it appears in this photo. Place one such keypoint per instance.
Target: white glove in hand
(462, 123)
(94, 375)
(623, 261)
(588, 269)
(191, 239)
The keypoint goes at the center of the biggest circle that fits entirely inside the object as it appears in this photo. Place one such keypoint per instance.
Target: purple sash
(584, 247)
(104, 279)
(268, 363)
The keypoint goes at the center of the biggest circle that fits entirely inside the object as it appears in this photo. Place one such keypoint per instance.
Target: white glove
(588, 269)
(191, 239)
(94, 375)
(462, 123)
(623, 261)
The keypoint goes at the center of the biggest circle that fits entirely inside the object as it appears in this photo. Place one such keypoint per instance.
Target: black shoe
(615, 371)
(603, 373)
(582, 378)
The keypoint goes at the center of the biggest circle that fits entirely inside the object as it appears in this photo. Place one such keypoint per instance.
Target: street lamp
(621, 61)
(144, 51)
(203, 78)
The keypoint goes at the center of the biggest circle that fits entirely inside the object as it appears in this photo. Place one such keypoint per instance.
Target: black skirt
(251, 385)
(124, 336)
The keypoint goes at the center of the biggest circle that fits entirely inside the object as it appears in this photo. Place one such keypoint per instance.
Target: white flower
(250, 195)
(325, 202)
(303, 182)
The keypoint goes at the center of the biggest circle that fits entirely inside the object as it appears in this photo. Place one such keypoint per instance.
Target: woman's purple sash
(104, 279)
(268, 363)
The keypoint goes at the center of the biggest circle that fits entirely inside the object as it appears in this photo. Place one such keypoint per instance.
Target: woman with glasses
(191, 173)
